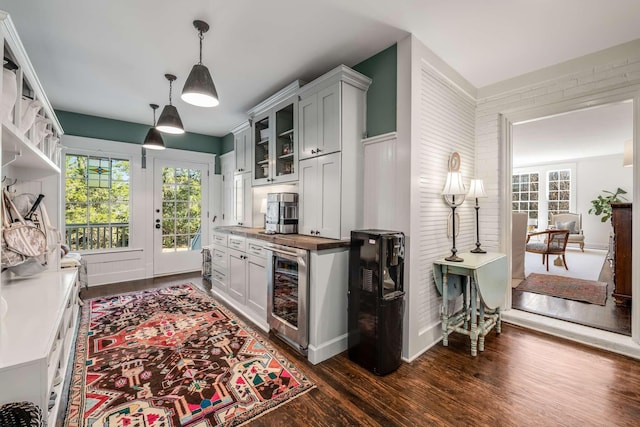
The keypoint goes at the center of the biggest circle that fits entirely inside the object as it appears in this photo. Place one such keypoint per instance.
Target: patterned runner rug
(565, 287)
(173, 357)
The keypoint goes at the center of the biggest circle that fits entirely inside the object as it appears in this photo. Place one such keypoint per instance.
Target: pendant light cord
(154, 117)
(201, 36)
(170, 88)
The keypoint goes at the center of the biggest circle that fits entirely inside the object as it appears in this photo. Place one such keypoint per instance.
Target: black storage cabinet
(376, 299)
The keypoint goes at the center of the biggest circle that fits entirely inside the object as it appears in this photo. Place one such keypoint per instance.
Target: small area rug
(173, 357)
(565, 287)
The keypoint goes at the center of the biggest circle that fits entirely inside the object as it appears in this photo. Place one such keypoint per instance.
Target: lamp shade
(153, 140)
(628, 154)
(453, 186)
(476, 189)
(169, 121)
(199, 89)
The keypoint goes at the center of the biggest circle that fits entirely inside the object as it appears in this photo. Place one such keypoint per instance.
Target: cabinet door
(238, 199)
(285, 142)
(248, 201)
(328, 193)
(257, 286)
(308, 197)
(242, 151)
(237, 275)
(308, 127)
(262, 138)
(227, 169)
(329, 138)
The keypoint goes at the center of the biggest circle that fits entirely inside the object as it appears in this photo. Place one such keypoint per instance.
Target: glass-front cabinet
(274, 137)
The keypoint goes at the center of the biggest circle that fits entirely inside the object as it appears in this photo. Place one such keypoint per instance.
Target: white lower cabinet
(37, 339)
(239, 277)
(320, 196)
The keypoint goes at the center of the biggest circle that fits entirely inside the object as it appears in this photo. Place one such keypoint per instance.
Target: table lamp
(454, 193)
(476, 189)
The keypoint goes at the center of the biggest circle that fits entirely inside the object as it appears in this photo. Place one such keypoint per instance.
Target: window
(181, 209)
(525, 194)
(97, 195)
(559, 191)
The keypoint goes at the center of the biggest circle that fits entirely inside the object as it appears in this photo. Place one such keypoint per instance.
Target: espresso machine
(376, 299)
(282, 213)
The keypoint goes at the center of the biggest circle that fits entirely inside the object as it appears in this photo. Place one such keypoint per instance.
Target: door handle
(158, 226)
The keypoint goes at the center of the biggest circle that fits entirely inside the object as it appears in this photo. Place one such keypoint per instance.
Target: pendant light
(169, 121)
(199, 89)
(153, 140)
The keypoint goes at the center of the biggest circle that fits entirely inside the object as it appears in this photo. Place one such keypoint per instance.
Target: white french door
(179, 214)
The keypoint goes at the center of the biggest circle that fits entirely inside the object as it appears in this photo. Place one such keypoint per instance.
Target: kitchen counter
(295, 240)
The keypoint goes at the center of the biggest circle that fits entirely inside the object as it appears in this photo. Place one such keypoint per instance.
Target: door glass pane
(285, 290)
(181, 209)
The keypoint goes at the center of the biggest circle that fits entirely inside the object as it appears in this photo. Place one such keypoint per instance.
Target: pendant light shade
(169, 121)
(199, 89)
(153, 140)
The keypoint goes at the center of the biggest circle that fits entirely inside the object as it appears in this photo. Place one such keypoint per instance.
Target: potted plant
(602, 204)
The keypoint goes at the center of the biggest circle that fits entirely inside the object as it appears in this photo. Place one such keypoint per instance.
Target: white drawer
(219, 275)
(219, 256)
(237, 242)
(254, 247)
(220, 239)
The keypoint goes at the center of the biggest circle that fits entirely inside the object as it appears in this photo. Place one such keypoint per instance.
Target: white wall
(594, 175)
(441, 120)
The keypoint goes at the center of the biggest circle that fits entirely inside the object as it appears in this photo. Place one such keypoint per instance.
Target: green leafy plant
(602, 204)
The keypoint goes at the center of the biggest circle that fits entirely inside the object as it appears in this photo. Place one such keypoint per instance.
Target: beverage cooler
(376, 299)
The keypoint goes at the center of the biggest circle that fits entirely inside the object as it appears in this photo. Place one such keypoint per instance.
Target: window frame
(111, 156)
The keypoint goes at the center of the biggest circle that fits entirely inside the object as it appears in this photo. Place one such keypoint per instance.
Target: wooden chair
(555, 243)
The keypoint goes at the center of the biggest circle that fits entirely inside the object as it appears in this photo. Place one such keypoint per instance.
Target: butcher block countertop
(295, 240)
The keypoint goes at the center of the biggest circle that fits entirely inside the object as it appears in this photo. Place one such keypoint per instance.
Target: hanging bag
(20, 236)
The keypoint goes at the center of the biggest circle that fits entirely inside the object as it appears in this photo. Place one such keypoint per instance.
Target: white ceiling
(592, 132)
(108, 58)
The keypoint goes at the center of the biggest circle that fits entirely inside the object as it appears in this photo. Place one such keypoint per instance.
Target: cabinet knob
(313, 151)
(318, 150)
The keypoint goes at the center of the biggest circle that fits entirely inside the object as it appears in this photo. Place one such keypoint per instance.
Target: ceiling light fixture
(199, 89)
(153, 140)
(169, 121)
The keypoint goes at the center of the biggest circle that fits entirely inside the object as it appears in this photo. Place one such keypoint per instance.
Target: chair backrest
(557, 241)
(567, 217)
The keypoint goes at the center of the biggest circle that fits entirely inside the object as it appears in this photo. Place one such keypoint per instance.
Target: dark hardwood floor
(523, 378)
(610, 317)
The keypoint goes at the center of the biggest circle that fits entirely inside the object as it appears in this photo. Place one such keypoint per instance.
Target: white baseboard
(328, 349)
(427, 338)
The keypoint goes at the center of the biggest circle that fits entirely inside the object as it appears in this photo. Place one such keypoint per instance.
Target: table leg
(473, 335)
(445, 307)
(465, 303)
(481, 331)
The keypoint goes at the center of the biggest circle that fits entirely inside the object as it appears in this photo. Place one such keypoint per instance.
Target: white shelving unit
(38, 315)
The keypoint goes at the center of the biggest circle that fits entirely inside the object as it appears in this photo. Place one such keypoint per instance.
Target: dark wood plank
(523, 378)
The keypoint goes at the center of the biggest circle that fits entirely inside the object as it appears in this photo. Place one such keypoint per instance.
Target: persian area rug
(173, 357)
(565, 287)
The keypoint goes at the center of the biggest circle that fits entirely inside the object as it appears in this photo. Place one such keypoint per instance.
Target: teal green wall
(118, 130)
(381, 97)
(227, 143)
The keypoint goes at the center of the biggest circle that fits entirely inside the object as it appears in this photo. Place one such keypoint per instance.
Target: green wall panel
(227, 143)
(382, 95)
(117, 130)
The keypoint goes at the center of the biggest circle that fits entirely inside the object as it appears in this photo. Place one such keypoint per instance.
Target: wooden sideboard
(621, 222)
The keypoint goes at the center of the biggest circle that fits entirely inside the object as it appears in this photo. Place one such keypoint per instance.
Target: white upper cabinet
(242, 148)
(274, 136)
(332, 124)
(320, 122)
